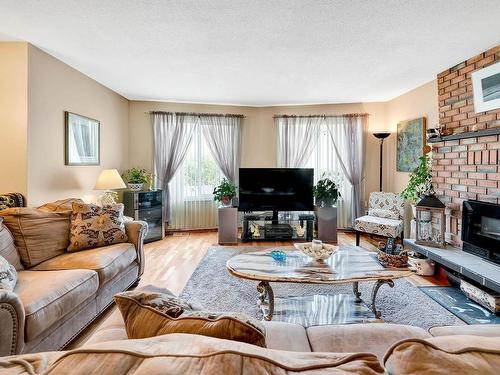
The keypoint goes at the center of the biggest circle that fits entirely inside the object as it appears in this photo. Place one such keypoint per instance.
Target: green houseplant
(420, 181)
(137, 177)
(326, 192)
(225, 192)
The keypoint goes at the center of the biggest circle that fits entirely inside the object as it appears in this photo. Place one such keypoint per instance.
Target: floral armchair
(385, 216)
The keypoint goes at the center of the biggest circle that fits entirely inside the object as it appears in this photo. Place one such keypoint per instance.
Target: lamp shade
(109, 179)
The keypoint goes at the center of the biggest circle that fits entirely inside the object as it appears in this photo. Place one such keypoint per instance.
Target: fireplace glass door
(481, 229)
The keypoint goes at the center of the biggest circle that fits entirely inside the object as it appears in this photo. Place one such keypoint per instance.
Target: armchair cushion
(107, 261)
(49, 296)
(387, 201)
(378, 225)
(385, 214)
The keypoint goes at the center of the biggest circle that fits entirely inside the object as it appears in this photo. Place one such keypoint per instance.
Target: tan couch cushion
(464, 355)
(194, 354)
(49, 295)
(7, 248)
(146, 314)
(286, 336)
(94, 226)
(38, 235)
(107, 261)
(112, 329)
(374, 338)
(488, 330)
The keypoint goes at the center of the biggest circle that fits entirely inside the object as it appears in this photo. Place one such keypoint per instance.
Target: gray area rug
(212, 287)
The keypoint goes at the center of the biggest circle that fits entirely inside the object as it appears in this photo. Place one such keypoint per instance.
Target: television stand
(284, 226)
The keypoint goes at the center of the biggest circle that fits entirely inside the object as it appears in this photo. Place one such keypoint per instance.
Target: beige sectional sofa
(376, 348)
(54, 300)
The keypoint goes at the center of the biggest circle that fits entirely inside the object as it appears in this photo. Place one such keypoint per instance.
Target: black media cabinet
(283, 226)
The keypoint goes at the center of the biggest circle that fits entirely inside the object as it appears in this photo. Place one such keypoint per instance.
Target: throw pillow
(386, 214)
(7, 248)
(148, 314)
(38, 235)
(93, 226)
(8, 275)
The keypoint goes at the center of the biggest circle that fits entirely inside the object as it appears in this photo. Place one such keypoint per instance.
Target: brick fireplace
(465, 168)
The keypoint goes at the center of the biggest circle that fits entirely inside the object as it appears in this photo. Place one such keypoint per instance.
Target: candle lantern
(430, 221)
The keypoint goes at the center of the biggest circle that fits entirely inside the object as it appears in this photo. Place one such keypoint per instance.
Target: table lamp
(108, 180)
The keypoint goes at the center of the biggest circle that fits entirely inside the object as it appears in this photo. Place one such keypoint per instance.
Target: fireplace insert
(481, 229)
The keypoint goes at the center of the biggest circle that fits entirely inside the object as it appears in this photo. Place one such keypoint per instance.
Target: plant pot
(226, 202)
(135, 187)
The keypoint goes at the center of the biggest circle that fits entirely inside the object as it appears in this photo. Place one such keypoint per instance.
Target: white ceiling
(260, 52)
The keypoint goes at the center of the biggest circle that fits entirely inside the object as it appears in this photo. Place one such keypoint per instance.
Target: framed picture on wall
(410, 142)
(82, 140)
(486, 88)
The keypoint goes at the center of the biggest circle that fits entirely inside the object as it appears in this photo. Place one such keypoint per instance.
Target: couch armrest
(136, 232)
(11, 323)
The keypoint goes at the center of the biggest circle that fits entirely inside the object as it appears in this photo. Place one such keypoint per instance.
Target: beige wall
(13, 117)
(37, 89)
(259, 133)
(419, 102)
(55, 87)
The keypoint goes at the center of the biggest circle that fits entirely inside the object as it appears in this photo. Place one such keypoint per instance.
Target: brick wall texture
(466, 168)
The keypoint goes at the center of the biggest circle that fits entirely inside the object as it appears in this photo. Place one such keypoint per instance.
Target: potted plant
(326, 192)
(420, 181)
(225, 192)
(137, 177)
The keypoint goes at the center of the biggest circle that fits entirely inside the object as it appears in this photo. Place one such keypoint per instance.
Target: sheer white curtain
(191, 189)
(173, 133)
(297, 137)
(223, 137)
(348, 137)
(332, 145)
(324, 160)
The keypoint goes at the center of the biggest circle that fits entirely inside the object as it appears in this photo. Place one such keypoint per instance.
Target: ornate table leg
(357, 293)
(266, 292)
(377, 286)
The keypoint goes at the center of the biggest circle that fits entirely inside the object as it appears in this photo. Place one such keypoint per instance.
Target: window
(191, 188)
(199, 170)
(324, 159)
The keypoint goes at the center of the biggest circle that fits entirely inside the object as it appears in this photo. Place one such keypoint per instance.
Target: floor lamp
(381, 136)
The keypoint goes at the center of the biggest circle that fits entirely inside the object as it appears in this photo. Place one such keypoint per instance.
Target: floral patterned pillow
(93, 226)
(151, 313)
(8, 275)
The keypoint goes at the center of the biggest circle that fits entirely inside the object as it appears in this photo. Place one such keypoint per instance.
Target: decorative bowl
(318, 253)
(278, 255)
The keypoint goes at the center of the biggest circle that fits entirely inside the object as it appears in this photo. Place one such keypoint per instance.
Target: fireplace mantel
(472, 267)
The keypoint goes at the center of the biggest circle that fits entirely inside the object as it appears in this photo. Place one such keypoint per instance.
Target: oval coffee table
(348, 265)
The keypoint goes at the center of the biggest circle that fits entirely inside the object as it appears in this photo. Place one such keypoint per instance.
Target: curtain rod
(324, 116)
(195, 114)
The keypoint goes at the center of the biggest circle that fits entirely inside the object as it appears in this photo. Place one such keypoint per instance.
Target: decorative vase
(135, 187)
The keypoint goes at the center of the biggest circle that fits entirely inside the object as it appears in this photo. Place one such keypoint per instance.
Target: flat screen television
(276, 189)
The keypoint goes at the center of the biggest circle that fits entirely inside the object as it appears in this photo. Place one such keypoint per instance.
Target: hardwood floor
(171, 262)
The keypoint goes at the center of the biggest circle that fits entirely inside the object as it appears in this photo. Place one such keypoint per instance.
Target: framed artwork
(82, 140)
(486, 88)
(410, 141)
